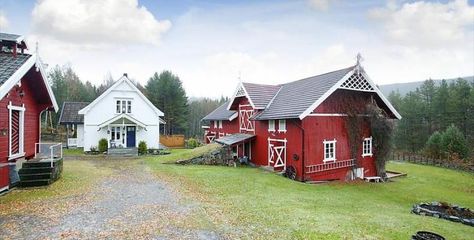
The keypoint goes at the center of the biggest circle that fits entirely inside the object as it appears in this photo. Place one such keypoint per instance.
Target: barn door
(277, 152)
(244, 118)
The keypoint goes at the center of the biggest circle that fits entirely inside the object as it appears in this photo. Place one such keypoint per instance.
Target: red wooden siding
(35, 100)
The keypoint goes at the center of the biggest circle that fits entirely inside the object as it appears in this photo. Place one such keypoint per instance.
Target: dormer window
(123, 106)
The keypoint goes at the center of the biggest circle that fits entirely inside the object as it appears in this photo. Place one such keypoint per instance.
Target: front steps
(36, 173)
(123, 152)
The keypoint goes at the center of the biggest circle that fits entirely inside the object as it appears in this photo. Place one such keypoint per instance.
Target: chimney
(125, 75)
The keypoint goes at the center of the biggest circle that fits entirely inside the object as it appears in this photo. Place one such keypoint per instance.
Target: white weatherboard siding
(103, 110)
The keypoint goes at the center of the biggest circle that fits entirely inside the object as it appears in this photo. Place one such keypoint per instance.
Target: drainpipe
(303, 150)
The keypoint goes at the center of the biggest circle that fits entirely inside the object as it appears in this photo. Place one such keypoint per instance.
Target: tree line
(165, 90)
(433, 112)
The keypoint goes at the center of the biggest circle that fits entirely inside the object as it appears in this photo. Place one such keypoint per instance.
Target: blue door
(131, 137)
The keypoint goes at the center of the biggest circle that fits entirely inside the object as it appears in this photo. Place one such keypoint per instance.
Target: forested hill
(405, 88)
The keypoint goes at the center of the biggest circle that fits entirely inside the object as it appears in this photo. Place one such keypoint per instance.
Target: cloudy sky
(211, 44)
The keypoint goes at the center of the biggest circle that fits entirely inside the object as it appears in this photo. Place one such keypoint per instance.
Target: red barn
(302, 126)
(24, 96)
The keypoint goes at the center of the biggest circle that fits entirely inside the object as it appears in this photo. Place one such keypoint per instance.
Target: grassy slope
(252, 203)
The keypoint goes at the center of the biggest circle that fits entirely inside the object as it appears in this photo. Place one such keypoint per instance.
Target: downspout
(303, 150)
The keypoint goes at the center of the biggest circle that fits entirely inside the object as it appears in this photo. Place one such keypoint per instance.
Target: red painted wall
(228, 127)
(35, 100)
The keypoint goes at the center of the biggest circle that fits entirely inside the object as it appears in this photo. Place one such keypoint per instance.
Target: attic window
(357, 82)
(123, 106)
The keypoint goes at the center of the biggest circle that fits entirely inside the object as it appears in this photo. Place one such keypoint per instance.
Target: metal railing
(72, 142)
(330, 166)
(48, 151)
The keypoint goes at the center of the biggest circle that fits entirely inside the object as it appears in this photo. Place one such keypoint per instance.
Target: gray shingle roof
(9, 65)
(261, 94)
(295, 97)
(69, 112)
(220, 113)
(234, 138)
(9, 37)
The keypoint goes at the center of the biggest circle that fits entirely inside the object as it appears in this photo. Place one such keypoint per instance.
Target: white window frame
(326, 147)
(282, 125)
(367, 147)
(123, 105)
(271, 125)
(215, 124)
(21, 141)
(220, 123)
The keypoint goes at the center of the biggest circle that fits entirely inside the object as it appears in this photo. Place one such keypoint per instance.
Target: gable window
(282, 125)
(367, 147)
(329, 150)
(123, 106)
(271, 125)
(220, 123)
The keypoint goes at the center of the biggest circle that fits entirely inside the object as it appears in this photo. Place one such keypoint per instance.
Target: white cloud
(427, 24)
(322, 5)
(3, 21)
(88, 22)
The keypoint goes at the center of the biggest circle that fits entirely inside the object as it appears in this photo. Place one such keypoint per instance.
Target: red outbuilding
(24, 96)
(303, 127)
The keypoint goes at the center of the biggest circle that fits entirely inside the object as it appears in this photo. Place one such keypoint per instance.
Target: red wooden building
(302, 125)
(24, 96)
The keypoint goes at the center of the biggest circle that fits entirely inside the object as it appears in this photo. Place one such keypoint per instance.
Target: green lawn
(73, 151)
(251, 203)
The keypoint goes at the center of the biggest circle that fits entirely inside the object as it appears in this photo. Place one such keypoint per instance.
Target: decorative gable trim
(111, 88)
(349, 81)
(16, 77)
(240, 91)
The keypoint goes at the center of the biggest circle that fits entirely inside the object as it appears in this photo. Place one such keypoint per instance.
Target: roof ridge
(320, 75)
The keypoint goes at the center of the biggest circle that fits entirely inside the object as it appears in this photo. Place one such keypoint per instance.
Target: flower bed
(444, 210)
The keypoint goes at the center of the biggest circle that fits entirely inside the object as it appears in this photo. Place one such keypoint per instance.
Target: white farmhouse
(122, 115)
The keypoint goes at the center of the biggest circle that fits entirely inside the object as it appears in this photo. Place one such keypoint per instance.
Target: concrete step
(38, 164)
(35, 170)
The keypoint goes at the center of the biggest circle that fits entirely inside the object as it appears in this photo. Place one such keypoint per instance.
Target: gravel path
(129, 204)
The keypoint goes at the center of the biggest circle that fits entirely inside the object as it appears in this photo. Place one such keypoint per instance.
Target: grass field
(251, 203)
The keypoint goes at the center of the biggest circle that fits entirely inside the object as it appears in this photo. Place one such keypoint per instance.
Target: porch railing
(330, 166)
(72, 142)
(49, 151)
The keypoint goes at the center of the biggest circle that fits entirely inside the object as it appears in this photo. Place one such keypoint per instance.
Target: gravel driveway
(130, 203)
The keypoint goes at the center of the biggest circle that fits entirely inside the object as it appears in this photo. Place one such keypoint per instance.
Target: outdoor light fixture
(3, 132)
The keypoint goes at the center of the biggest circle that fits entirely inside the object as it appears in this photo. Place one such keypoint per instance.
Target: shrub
(103, 145)
(142, 148)
(453, 142)
(433, 145)
(193, 143)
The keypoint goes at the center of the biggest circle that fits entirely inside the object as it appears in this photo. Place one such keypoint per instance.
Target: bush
(142, 148)
(453, 142)
(103, 145)
(433, 145)
(193, 143)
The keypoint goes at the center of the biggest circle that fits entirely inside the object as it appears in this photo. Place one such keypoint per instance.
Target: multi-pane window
(115, 133)
(329, 150)
(282, 125)
(123, 106)
(271, 125)
(367, 147)
(220, 123)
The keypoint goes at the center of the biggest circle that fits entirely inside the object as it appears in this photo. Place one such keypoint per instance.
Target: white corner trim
(325, 95)
(239, 86)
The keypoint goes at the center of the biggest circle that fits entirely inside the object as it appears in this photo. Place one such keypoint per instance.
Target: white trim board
(336, 86)
(239, 86)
